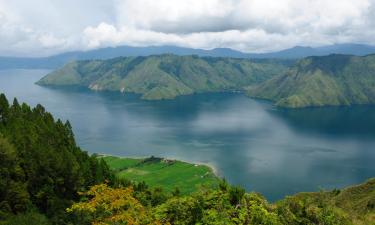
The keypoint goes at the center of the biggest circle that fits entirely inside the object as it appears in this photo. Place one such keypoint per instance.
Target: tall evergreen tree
(41, 163)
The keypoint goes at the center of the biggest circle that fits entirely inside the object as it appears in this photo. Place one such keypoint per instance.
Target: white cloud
(47, 27)
(175, 16)
(50, 41)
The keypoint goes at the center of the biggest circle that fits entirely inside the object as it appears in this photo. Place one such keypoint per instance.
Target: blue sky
(44, 27)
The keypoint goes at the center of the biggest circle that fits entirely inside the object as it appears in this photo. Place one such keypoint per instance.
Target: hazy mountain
(59, 60)
(302, 52)
(165, 76)
(322, 80)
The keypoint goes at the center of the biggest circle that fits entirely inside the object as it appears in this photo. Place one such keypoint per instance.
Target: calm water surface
(251, 143)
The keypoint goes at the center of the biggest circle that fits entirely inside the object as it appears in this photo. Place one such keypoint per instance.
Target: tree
(4, 108)
(106, 205)
(13, 193)
(176, 192)
(235, 195)
(41, 166)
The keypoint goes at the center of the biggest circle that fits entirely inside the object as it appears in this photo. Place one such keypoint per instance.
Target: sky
(46, 27)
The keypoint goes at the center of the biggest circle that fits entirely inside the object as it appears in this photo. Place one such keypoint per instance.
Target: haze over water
(251, 143)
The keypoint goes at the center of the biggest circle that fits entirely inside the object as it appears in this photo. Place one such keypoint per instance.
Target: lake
(251, 143)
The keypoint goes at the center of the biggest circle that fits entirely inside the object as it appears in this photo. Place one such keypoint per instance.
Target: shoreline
(212, 168)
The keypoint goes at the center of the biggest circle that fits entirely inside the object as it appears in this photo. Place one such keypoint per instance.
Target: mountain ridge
(334, 80)
(55, 61)
(165, 76)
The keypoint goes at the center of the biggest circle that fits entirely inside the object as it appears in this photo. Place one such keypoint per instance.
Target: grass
(168, 174)
(118, 164)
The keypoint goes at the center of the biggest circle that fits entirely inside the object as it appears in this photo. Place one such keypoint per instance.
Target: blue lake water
(251, 143)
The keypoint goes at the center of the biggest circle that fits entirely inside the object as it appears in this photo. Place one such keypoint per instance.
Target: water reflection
(356, 121)
(251, 143)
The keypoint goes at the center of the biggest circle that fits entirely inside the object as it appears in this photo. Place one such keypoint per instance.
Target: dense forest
(225, 205)
(45, 178)
(41, 167)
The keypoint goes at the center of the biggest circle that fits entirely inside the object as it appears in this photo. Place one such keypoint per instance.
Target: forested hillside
(165, 76)
(227, 205)
(41, 167)
(332, 80)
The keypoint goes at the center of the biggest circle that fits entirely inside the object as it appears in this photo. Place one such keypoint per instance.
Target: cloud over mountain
(43, 27)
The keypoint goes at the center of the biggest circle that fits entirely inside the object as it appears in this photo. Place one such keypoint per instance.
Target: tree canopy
(41, 166)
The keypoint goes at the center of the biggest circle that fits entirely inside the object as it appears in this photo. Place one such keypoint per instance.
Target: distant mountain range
(166, 76)
(297, 52)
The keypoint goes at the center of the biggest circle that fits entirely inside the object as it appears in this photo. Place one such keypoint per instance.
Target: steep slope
(322, 81)
(165, 76)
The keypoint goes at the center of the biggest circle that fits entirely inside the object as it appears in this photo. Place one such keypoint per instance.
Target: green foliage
(41, 166)
(215, 206)
(319, 81)
(13, 191)
(165, 76)
(28, 218)
(184, 210)
(176, 192)
(307, 210)
(347, 206)
(235, 195)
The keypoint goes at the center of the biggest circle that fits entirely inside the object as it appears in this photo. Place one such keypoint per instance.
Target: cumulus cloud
(47, 27)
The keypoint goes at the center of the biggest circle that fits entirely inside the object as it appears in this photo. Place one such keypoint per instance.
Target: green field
(168, 174)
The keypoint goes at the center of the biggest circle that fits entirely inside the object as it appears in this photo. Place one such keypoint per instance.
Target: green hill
(332, 80)
(351, 205)
(165, 76)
